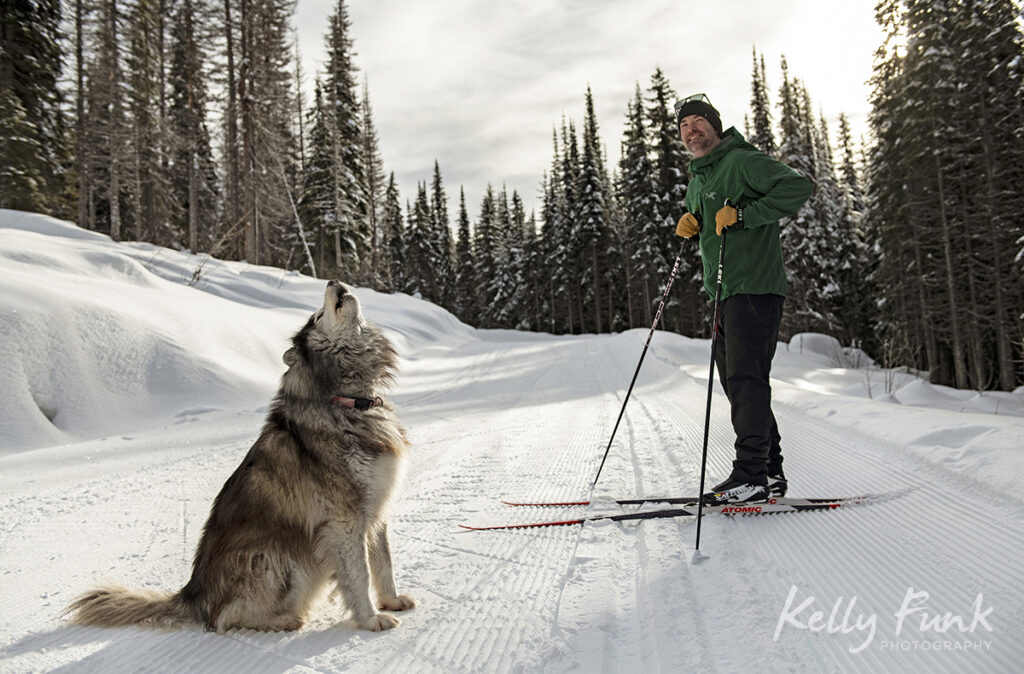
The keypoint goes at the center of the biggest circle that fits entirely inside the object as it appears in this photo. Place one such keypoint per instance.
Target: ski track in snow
(530, 419)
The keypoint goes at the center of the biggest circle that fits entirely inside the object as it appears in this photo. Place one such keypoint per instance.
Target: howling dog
(307, 505)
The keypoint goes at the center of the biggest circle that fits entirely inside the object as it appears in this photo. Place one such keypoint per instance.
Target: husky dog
(307, 505)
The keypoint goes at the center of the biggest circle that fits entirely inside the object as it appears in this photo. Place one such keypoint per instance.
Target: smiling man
(736, 186)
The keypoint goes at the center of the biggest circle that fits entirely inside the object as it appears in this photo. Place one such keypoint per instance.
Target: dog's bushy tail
(114, 606)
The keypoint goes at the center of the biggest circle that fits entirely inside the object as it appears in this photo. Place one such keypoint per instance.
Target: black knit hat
(698, 104)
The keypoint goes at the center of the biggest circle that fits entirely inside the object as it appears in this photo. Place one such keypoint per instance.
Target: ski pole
(657, 317)
(697, 556)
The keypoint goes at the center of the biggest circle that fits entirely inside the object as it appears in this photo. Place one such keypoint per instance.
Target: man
(735, 187)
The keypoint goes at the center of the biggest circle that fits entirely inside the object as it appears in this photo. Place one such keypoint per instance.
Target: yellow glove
(688, 226)
(727, 216)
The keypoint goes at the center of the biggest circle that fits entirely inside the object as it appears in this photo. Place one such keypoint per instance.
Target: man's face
(699, 136)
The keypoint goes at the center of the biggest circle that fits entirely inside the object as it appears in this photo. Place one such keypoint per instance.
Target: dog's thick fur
(306, 506)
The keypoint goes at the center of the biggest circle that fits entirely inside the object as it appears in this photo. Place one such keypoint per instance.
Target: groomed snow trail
(527, 417)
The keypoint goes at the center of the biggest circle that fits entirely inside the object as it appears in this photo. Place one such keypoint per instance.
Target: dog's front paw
(380, 622)
(402, 602)
(286, 623)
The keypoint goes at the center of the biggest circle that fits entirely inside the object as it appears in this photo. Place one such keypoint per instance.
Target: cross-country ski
(773, 506)
(680, 500)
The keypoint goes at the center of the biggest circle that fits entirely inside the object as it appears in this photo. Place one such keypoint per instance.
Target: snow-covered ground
(129, 395)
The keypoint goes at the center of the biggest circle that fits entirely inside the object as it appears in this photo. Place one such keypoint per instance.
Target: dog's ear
(290, 357)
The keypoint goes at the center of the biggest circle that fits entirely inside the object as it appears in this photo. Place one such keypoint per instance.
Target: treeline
(183, 123)
(946, 189)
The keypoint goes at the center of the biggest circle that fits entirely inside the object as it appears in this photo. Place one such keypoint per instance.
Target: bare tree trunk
(80, 159)
(596, 280)
(977, 325)
(921, 319)
(158, 220)
(959, 363)
(648, 316)
(193, 145)
(1004, 340)
(321, 243)
(248, 160)
(298, 102)
(578, 293)
(114, 132)
(336, 172)
(231, 142)
(629, 294)
(193, 207)
(137, 179)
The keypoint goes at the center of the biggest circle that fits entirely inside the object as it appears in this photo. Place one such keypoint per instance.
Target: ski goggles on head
(699, 104)
(696, 98)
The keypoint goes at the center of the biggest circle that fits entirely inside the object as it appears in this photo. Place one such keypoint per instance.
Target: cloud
(479, 85)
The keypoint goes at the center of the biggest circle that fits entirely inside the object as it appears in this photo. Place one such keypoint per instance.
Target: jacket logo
(713, 196)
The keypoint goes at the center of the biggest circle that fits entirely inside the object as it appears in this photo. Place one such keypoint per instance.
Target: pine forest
(184, 123)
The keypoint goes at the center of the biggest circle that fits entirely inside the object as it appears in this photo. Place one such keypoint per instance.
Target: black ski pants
(748, 330)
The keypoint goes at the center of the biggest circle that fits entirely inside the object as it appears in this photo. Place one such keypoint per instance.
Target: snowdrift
(104, 338)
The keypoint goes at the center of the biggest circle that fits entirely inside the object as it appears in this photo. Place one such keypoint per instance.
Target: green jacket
(765, 190)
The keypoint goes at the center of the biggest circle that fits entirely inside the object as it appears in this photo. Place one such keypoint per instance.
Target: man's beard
(701, 144)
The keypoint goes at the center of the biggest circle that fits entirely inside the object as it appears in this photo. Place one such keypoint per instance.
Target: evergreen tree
(350, 216)
(761, 135)
(267, 157)
(149, 183)
(930, 116)
(642, 232)
(33, 139)
(394, 239)
(991, 89)
(592, 222)
(796, 147)
(194, 182)
(803, 236)
(615, 275)
(82, 163)
(232, 168)
(832, 234)
(440, 240)
(550, 250)
(903, 327)
(316, 201)
(487, 254)
(420, 253)
(374, 186)
(571, 245)
(504, 281)
(948, 147)
(684, 311)
(848, 173)
(856, 304)
(533, 316)
(20, 176)
(518, 238)
(465, 287)
(106, 131)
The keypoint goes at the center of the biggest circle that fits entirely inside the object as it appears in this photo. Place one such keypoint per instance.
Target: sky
(479, 86)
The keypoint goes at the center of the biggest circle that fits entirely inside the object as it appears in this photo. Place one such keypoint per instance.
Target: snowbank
(103, 338)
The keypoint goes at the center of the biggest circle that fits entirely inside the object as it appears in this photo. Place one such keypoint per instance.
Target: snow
(129, 393)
